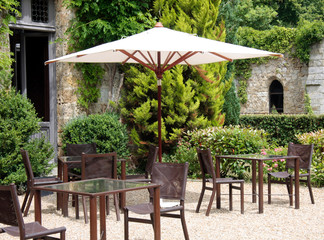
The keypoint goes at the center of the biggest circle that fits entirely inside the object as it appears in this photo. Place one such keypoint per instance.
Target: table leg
(93, 218)
(123, 177)
(157, 224)
(254, 181)
(38, 207)
(260, 173)
(60, 176)
(102, 208)
(65, 196)
(297, 183)
(218, 188)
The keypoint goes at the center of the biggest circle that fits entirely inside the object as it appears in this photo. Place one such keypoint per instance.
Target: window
(276, 97)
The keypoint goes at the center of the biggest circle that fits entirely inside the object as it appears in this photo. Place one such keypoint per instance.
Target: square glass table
(100, 187)
(67, 162)
(260, 158)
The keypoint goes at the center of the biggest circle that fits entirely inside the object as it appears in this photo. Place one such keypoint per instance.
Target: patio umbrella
(160, 49)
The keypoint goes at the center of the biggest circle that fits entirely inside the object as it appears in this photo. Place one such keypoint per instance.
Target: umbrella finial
(158, 24)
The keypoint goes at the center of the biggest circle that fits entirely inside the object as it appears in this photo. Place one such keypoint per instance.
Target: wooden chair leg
(31, 195)
(184, 225)
(291, 192)
(211, 201)
(23, 206)
(310, 189)
(76, 205)
(85, 209)
(107, 205)
(116, 207)
(201, 197)
(126, 227)
(269, 189)
(230, 197)
(242, 197)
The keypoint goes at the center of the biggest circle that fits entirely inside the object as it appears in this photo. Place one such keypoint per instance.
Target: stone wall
(289, 72)
(67, 77)
(315, 80)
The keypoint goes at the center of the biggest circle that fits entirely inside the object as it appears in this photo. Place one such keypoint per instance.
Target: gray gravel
(279, 220)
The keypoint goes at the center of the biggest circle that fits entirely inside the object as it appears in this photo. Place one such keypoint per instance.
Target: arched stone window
(276, 97)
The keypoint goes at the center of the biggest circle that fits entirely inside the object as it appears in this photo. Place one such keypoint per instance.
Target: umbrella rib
(152, 60)
(136, 59)
(149, 63)
(129, 57)
(221, 56)
(168, 59)
(183, 58)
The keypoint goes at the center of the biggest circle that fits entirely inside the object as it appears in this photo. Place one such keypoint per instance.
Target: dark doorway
(30, 75)
(276, 97)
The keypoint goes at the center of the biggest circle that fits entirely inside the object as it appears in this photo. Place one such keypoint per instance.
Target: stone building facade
(280, 82)
(295, 77)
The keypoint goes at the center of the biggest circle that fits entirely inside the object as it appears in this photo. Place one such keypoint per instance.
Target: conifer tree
(192, 97)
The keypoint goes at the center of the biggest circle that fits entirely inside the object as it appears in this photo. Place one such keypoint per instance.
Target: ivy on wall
(8, 13)
(98, 22)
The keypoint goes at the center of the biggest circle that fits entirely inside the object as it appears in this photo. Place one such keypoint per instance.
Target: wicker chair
(100, 165)
(34, 181)
(10, 214)
(207, 168)
(172, 178)
(305, 152)
(151, 158)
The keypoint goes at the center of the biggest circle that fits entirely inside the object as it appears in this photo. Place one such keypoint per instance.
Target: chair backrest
(151, 158)
(78, 149)
(10, 209)
(99, 165)
(305, 152)
(28, 167)
(206, 163)
(172, 178)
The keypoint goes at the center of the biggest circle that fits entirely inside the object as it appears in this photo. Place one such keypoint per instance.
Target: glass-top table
(260, 158)
(67, 162)
(100, 187)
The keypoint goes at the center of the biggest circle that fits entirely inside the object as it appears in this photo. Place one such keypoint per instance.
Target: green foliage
(191, 97)
(182, 153)
(275, 165)
(317, 138)
(98, 22)
(18, 121)
(308, 33)
(105, 130)
(229, 140)
(8, 13)
(283, 129)
(308, 107)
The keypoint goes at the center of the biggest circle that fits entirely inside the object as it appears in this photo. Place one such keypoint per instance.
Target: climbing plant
(98, 22)
(8, 13)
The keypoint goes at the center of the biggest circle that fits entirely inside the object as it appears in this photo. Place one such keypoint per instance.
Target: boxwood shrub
(105, 130)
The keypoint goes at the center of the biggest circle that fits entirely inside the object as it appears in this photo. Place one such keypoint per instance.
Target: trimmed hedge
(283, 129)
(105, 130)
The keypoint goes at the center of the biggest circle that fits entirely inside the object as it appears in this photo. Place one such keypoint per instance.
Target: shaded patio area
(279, 220)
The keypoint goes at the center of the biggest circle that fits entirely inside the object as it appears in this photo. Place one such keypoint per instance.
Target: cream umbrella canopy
(160, 49)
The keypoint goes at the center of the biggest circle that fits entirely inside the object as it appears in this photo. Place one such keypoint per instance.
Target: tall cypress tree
(192, 97)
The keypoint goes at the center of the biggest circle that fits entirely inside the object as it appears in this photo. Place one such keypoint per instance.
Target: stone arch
(276, 96)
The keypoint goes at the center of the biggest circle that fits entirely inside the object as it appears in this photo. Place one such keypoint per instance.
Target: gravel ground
(279, 220)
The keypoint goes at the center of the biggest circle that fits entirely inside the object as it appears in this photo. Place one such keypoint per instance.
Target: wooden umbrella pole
(159, 84)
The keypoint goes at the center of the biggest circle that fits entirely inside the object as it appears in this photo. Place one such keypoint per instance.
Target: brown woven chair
(207, 168)
(11, 215)
(305, 152)
(77, 150)
(173, 178)
(151, 158)
(100, 165)
(34, 181)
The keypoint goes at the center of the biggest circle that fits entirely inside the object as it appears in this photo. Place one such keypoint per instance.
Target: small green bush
(317, 138)
(18, 121)
(221, 141)
(283, 129)
(105, 130)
